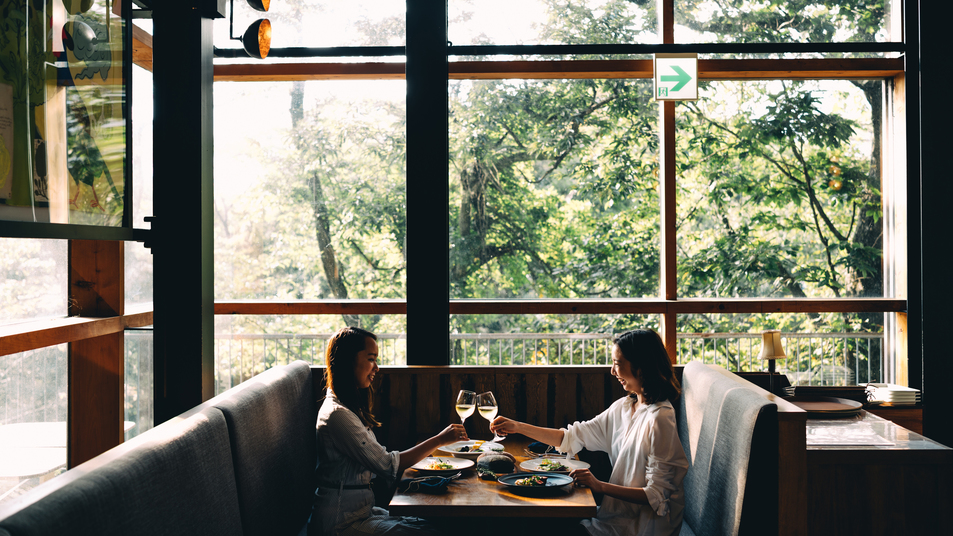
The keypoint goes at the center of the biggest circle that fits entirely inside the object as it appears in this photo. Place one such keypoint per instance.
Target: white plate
(536, 465)
(459, 464)
(453, 449)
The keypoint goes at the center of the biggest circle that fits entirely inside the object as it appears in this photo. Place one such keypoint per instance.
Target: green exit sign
(676, 77)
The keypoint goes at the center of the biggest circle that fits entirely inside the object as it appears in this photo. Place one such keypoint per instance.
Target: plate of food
(535, 482)
(470, 449)
(552, 465)
(438, 466)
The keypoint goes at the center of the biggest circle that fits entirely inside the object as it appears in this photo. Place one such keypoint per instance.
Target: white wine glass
(486, 406)
(466, 404)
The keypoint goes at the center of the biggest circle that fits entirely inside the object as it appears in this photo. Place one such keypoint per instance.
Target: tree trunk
(332, 272)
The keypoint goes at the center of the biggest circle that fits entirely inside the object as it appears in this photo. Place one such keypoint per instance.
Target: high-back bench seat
(729, 431)
(240, 464)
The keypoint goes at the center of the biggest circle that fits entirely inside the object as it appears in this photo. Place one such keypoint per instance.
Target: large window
(580, 207)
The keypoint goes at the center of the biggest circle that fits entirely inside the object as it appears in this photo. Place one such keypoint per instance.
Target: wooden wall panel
(96, 408)
(592, 394)
(417, 402)
(564, 396)
(429, 408)
(537, 398)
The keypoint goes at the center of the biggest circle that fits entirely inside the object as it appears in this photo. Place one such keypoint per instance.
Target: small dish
(426, 466)
(465, 449)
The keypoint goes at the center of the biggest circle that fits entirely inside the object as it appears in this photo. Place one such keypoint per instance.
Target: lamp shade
(771, 345)
(257, 39)
(259, 5)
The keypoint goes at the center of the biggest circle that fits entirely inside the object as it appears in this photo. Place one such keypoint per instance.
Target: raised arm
(450, 434)
(504, 426)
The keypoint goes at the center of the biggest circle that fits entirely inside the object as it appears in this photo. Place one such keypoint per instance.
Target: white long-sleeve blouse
(645, 451)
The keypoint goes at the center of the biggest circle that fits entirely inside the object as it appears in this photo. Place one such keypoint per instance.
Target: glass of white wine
(486, 405)
(466, 404)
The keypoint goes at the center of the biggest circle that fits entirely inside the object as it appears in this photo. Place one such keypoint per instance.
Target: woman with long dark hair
(644, 494)
(349, 454)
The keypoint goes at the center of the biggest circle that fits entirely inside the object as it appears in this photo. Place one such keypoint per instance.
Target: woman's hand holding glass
(452, 434)
(503, 426)
(486, 405)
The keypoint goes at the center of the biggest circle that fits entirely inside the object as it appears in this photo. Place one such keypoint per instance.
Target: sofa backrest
(176, 479)
(271, 420)
(728, 430)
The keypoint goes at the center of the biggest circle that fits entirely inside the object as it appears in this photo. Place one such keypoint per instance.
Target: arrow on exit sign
(676, 76)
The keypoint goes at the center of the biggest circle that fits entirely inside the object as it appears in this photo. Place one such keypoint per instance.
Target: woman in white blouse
(348, 452)
(644, 494)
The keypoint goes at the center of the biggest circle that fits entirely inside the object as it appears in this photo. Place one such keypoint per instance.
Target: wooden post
(95, 415)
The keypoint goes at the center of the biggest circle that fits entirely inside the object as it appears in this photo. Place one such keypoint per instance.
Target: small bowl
(453, 449)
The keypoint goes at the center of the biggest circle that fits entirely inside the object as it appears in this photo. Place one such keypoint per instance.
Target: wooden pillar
(95, 415)
(182, 225)
(428, 278)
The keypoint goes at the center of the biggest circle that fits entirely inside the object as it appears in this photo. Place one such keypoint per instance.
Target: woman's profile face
(365, 366)
(622, 370)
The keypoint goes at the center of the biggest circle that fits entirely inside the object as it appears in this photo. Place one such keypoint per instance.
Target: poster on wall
(63, 113)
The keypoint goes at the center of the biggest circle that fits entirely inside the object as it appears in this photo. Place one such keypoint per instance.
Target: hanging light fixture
(257, 38)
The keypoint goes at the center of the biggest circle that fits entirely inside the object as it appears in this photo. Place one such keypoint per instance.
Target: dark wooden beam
(182, 241)
(428, 280)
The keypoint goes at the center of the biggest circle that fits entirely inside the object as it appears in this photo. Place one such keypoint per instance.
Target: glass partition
(63, 112)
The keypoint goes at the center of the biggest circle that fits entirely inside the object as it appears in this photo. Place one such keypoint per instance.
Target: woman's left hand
(583, 477)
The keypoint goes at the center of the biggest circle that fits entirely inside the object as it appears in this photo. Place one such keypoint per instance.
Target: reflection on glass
(802, 158)
(553, 189)
(62, 113)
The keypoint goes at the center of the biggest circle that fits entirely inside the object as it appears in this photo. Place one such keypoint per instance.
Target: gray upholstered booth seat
(728, 429)
(241, 464)
(271, 424)
(175, 479)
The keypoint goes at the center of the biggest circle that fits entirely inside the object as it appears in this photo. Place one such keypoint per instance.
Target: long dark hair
(644, 350)
(340, 360)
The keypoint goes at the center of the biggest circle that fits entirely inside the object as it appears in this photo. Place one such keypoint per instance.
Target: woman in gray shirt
(348, 452)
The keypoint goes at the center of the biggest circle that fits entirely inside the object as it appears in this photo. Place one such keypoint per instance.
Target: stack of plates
(894, 395)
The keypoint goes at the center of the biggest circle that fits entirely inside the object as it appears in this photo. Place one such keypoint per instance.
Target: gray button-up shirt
(348, 454)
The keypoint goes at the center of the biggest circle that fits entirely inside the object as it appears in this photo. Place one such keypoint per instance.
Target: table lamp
(771, 350)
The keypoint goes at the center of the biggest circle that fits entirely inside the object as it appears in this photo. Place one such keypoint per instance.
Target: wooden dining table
(470, 496)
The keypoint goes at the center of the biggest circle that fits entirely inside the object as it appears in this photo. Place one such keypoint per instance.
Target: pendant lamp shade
(259, 5)
(257, 39)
